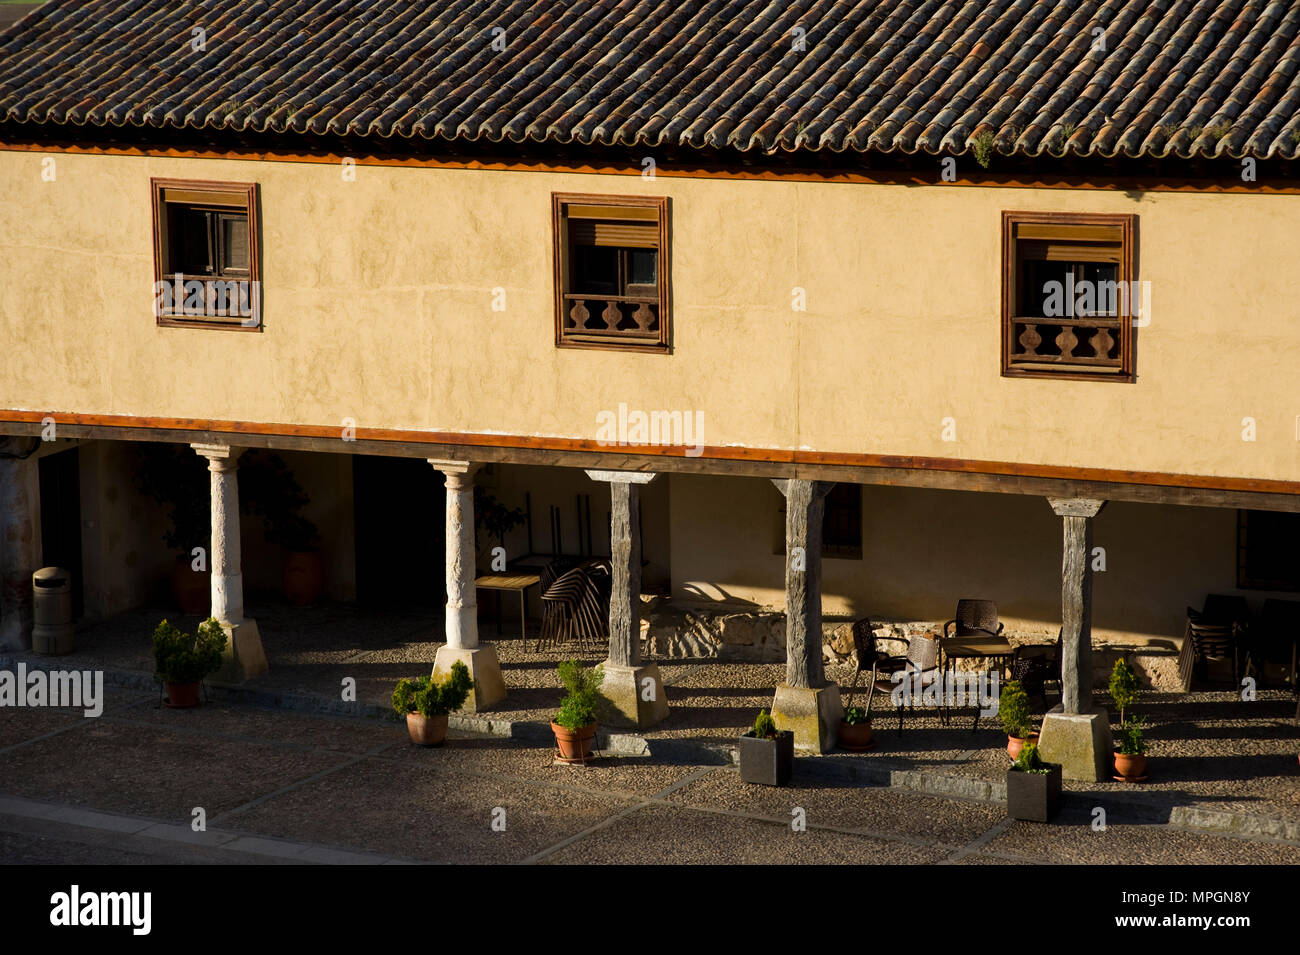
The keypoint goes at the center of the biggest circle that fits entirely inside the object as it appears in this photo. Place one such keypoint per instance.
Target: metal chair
(576, 607)
(868, 657)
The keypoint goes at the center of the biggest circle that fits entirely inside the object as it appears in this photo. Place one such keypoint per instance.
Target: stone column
(632, 692)
(805, 703)
(461, 625)
(245, 656)
(1075, 734)
(20, 544)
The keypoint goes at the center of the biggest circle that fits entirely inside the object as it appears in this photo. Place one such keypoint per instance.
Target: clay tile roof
(1102, 78)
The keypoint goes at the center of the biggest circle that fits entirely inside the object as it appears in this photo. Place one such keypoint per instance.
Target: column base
(1080, 742)
(623, 692)
(484, 670)
(812, 714)
(244, 656)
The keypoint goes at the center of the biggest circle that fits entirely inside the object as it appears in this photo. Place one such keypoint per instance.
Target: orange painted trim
(762, 455)
(1283, 187)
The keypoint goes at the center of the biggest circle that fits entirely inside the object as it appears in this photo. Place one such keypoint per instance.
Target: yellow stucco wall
(378, 294)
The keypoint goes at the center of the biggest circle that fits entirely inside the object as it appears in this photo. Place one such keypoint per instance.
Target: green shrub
(1013, 710)
(1123, 686)
(855, 715)
(427, 698)
(582, 691)
(1029, 761)
(764, 726)
(187, 658)
(1130, 737)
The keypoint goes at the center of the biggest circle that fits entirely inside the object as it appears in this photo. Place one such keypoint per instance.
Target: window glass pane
(1102, 276)
(1042, 285)
(191, 250)
(234, 243)
(641, 266)
(595, 270)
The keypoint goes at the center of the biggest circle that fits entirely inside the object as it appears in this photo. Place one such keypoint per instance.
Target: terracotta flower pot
(1130, 767)
(426, 730)
(575, 745)
(856, 736)
(191, 589)
(1015, 744)
(181, 696)
(304, 577)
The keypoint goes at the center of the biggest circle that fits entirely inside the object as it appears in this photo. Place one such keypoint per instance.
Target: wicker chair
(868, 658)
(1212, 640)
(1035, 666)
(922, 658)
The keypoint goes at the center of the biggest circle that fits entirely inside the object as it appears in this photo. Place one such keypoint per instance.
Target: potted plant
(766, 753)
(182, 660)
(1033, 787)
(174, 476)
(574, 725)
(1013, 710)
(855, 730)
(1130, 754)
(426, 705)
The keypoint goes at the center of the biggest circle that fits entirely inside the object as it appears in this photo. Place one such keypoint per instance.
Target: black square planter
(768, 762)
(1034, 797)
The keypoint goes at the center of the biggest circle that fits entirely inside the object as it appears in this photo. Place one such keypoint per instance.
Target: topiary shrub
(582, 691)
(1029, 761)
(1123, 686)
(187, 658)
(423, 696)
(1013, 710)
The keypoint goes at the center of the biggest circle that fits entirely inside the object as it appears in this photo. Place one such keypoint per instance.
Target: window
(1069, 295)
(206, 268)
(841, 523)
(611, 272)
(1268, 550)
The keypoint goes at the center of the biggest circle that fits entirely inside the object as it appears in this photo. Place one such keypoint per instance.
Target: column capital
(623, 477)
(1076, 506)
(450, 466)
(221, 457)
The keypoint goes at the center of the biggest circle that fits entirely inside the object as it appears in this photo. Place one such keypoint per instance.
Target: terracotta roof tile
(1176, 78)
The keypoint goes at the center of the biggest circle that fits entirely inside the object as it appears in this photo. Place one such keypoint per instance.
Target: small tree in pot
(574, 725)
(1033, 787)
(1013, 710)
(1130, 755)
(766, 753)
(427, 705)
(182, 660)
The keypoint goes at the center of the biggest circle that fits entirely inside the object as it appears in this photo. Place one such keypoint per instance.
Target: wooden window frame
(1126, 272)
(560, 257)
(242, 195)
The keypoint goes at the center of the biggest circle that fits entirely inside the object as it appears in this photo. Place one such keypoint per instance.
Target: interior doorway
(60, 479)
(399, 514)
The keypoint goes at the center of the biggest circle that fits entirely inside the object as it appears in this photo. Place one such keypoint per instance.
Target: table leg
(523, 613)
(498, 598)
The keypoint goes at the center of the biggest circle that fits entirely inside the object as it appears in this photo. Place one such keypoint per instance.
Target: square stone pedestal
(1080, 742)
(812, 714)
(244, 656)
(631, 697)
(484, 670)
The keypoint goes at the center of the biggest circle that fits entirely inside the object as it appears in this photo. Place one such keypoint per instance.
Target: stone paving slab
(847, 806)
(436, 815)
(165, 773)
(666, 835)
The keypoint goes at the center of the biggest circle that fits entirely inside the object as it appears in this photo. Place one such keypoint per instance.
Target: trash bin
(52, 633)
